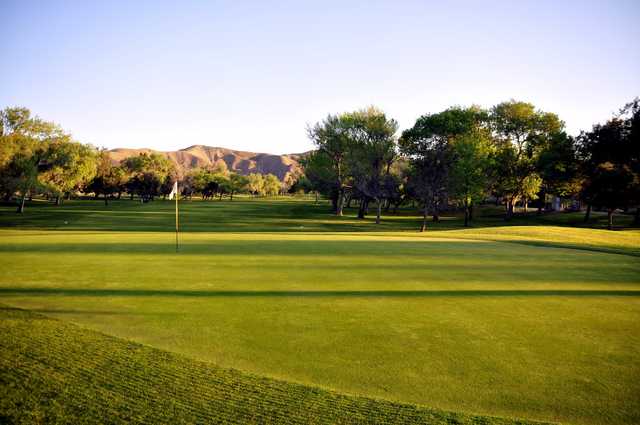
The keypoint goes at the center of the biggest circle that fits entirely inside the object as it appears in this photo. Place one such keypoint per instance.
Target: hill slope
(242, 162)
(55, 372)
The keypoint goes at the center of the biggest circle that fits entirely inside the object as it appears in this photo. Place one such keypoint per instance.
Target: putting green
(453, 320)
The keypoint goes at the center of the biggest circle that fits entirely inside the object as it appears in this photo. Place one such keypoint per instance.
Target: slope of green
(504, 321)
(52, 372)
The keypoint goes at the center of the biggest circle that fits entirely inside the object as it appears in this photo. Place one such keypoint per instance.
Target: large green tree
(373, 150)
(147, 173)
(272, 184)
(610, 156)
(319, 171)
(331, 138)
(470, 166)
(109, 178)
(428, 146)
(521, 132)
(237, 183)
(26, 152)
(557, 165)
(67, 166)
(255, 184)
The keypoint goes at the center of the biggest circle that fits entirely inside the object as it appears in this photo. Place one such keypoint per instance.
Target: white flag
(174, 191)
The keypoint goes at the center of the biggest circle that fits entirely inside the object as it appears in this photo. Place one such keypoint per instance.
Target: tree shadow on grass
(316, 294)
(386, 247)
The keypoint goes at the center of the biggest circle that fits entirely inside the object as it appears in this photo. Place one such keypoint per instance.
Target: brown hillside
(200, 156)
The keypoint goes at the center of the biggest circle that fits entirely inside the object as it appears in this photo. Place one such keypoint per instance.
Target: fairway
(535, 322)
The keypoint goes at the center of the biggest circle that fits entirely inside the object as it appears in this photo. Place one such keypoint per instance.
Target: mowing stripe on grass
(56, 372)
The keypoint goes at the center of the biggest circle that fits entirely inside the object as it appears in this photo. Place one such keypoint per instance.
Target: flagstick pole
(177, 194)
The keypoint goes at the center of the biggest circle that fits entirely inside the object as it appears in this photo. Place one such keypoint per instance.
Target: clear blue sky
(251, 75)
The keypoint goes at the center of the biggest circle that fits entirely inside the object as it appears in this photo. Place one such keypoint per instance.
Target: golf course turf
(278, 297)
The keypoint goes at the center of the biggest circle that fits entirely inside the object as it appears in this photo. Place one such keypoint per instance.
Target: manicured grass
(247, 214)
(54, 372)
(508, 321)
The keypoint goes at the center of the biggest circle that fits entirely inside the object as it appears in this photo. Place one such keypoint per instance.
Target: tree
(19, 159)
(427, 145)
(236, 183)
(428, 179)
(469, 168)
(558, 167)
(255, 184)
(109, 178)
(68, 166)
(301, 185)
(320, 172)
(331, 137)
(610, 156)
(148, 172)
(271, 184)
(373, 150)
(611, 186)
(23, 168)
(24, 146)
(520, 131)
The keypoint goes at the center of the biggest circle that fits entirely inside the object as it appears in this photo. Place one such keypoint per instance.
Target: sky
(253, 75)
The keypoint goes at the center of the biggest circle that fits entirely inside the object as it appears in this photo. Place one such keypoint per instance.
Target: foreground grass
(502, 321)
(53, 372)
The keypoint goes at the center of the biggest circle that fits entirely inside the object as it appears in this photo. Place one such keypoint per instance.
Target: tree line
(37, 158)
(512, 153)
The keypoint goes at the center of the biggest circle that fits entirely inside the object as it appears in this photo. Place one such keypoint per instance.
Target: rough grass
(508, 321)
(53, 372)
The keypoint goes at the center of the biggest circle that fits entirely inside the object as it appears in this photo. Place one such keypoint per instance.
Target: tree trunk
(340, 203)
(466, 213)
(379, 211)
(106, 200)
(636, 217)
(131, 196)
(348, 201)
(424, 218)
(543, 201)
(609, 219)
(525, 205)
(21, 206)
(362, 210)
(509, 210)
(231, 198)
(587, 215)
(58, 200)
(316, 196)
(470, 211)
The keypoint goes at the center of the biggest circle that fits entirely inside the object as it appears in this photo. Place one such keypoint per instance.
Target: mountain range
(242, 162)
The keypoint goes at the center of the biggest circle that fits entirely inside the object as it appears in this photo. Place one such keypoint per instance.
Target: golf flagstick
(174, 193)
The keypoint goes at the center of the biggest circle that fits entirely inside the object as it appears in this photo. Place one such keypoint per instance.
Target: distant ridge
(242, 162)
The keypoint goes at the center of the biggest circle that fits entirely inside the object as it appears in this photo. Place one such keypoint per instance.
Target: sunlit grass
(509, 321)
